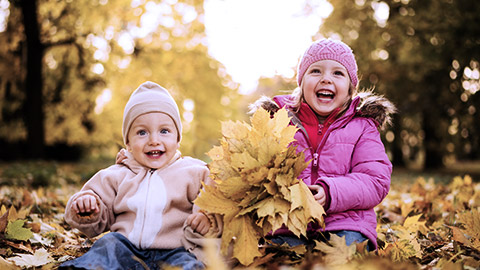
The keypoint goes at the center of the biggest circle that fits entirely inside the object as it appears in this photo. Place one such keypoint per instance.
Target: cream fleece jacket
(149, 207)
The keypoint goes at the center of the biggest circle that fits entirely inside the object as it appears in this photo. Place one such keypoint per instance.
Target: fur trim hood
(371, 105)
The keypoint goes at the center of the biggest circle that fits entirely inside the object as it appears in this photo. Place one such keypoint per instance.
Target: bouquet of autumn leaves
(257, 190)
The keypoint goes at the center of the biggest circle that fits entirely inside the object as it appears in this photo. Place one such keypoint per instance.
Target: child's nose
(154, 139)
(326, 79)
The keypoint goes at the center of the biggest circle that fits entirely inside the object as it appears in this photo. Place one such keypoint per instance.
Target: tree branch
(67, 41)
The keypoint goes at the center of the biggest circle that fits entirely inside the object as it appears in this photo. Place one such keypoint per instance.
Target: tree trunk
(397, 154)
(433, 143)
(33, 106)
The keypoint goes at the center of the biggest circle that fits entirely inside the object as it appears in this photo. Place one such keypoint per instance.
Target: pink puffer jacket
(350, 160)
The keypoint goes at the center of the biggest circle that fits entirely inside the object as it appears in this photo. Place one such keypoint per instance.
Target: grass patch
(50, 173)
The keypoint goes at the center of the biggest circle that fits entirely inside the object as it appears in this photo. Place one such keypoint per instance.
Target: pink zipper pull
(315, 159)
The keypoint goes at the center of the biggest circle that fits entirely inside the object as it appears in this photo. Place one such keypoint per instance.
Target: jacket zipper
(151, 171)
(321, 144)
(315, 159)
(316, 154)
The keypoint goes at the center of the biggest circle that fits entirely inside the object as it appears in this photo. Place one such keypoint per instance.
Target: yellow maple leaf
(401, 250)
(263, 208)
(275, 222)
(261, 123)
(268, 148)
(212, 200)
(303, 198)
(243, 161)
(284, 180)
(234, 188)
(235, 130)
(412, 224)
(216, 153)
(245, 239)
(251, 197)
(296, 223)
(269, 207)
(463, 192)
(336, 250)
(13, 214)
(271, 187)
(220, 170)
(257, 175)
(278, 128)
(471, 220)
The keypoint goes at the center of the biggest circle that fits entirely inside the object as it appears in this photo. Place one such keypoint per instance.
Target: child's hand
(199, 222)
(85, 205)
(318, 194)
(121, 156)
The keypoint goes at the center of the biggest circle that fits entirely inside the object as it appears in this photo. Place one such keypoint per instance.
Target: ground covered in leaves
(423, 224)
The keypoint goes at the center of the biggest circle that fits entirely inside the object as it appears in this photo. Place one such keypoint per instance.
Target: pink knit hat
(328, 49)
(150, 97)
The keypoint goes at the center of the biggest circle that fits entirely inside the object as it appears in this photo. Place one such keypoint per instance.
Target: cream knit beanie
(150, 97)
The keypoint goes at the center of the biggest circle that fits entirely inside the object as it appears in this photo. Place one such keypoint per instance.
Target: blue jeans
(115, 251)
(292, 240)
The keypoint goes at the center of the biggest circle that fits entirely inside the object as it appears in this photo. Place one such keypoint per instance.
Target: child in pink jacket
(349, 171)
(145, 201)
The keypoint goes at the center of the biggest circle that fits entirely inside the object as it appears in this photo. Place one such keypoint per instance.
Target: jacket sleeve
(368, 181)
(102, 187)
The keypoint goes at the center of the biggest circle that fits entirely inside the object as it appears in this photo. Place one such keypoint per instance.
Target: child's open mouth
(325, 95)
(155, 153)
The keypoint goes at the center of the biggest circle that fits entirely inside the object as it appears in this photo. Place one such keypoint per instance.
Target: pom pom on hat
(329, 49)
(147, 98)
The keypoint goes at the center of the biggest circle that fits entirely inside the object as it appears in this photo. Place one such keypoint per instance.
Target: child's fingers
(318, 194)
(189, 220)
(314, 189)
(321, 201)
(196, 221)
(199, 223)
(203, 228)
(93, 204)
(85, 204)
(203, 225)
(120, 156)
(80, 205)
(75, 207)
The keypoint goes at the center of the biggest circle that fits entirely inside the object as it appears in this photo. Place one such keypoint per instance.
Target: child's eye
(142, 132)
(339, 73)
(164, 131)
(315, 70)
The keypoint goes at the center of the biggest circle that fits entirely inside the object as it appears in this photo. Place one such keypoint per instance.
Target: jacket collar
(365, 104)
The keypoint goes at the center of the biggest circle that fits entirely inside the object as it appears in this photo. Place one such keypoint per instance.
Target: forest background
(68, 67)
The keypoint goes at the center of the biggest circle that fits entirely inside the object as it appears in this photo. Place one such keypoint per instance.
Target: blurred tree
(92, 55)
(424, 56)
(270, 87)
